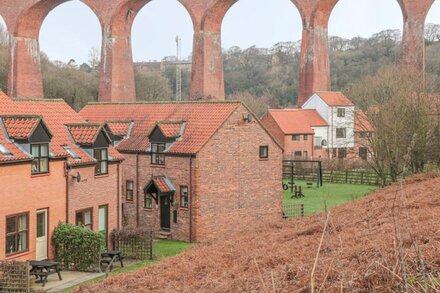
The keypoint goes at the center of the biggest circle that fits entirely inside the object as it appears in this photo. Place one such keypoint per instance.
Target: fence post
(151, 244)
(302, 210)
(28, 278)
(346, 177)
(362, 178)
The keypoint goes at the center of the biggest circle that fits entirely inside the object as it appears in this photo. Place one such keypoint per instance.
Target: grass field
(330, 195)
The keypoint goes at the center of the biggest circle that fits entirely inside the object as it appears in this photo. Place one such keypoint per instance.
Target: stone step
(166, 233)
(161, 237)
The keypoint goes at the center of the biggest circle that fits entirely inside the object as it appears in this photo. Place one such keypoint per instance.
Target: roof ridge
(84, 124)
(37, 100)
(22, 116)
(164, 102)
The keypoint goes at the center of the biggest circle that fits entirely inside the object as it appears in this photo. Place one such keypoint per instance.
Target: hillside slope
(369, 245)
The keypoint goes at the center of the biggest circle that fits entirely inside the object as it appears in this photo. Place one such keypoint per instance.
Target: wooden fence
(134, 245)
(14, 277)
(293, 210)
(329, 176)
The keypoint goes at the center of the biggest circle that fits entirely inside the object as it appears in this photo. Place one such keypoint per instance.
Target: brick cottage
(54, 167)
(196, 169)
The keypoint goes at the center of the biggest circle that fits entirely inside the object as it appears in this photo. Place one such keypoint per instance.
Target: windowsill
(148, 209)
(157, 166)
(183, 208)
(101, 175)
(17, 254)
(264, 159)
(129, 201)
(36, 175)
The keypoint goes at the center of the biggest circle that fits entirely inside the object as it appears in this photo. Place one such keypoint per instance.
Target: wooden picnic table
(42, 269)
(110, 256)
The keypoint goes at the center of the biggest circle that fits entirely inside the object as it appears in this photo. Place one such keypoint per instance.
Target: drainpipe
(118, 205)
(137, 189)
(66, 174)
(191, 193)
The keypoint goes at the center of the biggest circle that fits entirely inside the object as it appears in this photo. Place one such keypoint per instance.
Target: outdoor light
(77, 177)
(247, 118)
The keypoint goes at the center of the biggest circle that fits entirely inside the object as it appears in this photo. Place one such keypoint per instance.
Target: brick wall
(177, 169)
(291, 146)
(93, 192)
(21, 192)
(233, 186)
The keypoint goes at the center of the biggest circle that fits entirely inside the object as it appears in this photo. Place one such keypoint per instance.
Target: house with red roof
(298, 130)
(193, 170)
(54, 167)
(338, 111)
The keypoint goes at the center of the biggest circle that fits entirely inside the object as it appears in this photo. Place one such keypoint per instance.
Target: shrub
(77, 248)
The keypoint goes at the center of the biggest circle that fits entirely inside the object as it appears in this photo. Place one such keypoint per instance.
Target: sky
(247, 23)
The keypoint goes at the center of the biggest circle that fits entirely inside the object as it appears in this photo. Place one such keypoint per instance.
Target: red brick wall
(273, 128)
(177, 169)
(22, 192)
(93, 192)
(302, 145)
(232, 185)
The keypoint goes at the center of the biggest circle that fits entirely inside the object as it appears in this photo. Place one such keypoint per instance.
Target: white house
(338, 111)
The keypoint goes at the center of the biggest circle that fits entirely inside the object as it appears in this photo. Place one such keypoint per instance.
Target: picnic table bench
(110, 256)
(42, 269)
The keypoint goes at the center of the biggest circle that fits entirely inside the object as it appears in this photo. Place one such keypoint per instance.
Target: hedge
(77, 248)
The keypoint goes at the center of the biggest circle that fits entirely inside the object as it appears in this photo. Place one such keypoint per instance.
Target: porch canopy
(160, 185)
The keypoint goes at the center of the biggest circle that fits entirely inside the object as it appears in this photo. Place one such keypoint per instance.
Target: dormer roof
(86, 134)
(22, 127)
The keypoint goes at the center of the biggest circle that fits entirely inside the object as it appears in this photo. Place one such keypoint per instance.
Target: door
(165, 213)
(103, 222)
(41, 249)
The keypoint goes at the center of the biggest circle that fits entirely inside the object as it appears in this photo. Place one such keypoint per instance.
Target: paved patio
(71, 279)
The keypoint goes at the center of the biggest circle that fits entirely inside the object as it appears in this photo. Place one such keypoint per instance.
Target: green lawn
(330, 195)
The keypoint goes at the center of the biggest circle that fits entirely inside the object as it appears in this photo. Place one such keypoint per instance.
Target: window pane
(41, 225)
(44, 165)
(78, 219)
(97, 154)
(87, 217)
(35, 150)
(22, 241)
(22, 223)
(11, 225)
(161, 148)
(104, 154)
(35, 166)
(129, 185)
(11, 244)
(103, 167)
(44, 150)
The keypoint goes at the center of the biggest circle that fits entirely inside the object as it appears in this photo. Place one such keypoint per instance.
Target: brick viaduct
(25, 17)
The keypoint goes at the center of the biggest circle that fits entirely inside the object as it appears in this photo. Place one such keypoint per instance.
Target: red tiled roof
(335, 99)
(56, 113)
(85, 133)
(119, 128)
(297, 121)
(164, 184)
(361, 123)
(170, 129)
(20, 126)
(202, 121)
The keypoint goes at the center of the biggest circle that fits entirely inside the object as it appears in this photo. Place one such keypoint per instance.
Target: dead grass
(386, 242)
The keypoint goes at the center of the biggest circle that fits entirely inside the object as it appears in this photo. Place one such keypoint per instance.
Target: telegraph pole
(178, 70)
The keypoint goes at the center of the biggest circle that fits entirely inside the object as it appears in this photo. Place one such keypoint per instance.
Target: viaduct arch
(24, 19)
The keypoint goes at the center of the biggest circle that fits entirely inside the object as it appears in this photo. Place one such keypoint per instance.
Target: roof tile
(297, 121)
(335, 99)
(20, 126)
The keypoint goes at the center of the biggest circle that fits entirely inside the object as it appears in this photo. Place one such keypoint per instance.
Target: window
(341, 112)
(296, 137)
(84, 218)
(157, 154)
(148, 204)
(101, 155)
(17, 233)
(184, 196)
(264, 152)
(334, 155)
(306, 137)
(341, 132)
(298, 154)
(342, 153)
(40, 162)
(364, 134)
(363, 153)
(305, 155)
(129, 190)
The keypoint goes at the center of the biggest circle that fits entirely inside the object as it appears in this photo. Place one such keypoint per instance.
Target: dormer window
(40, 154)
(157, 153)
(101, 156)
